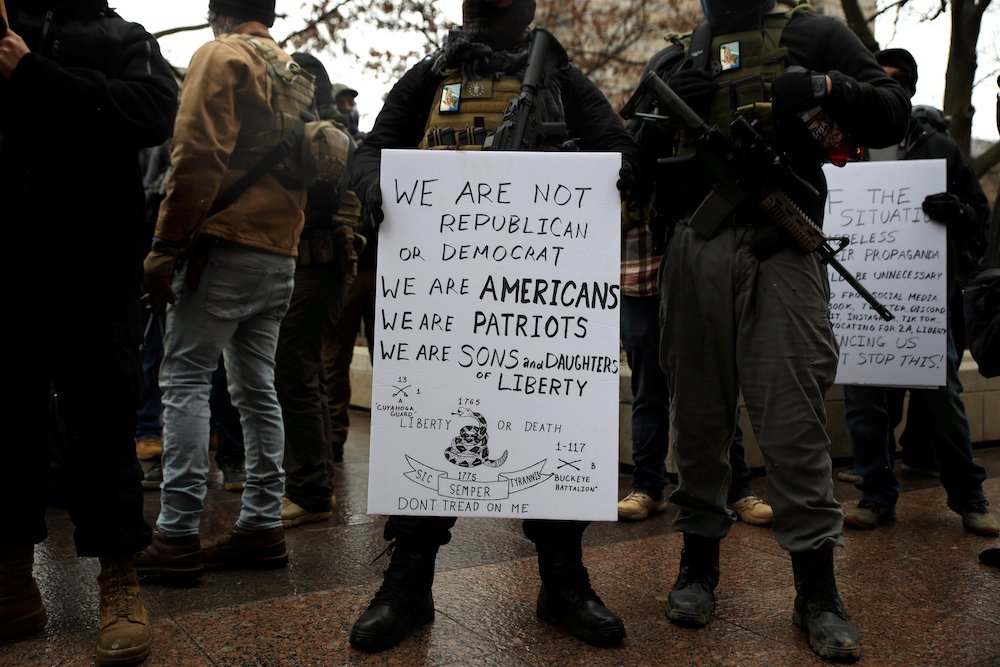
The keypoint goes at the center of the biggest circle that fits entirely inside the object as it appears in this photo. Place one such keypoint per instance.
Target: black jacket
(966, 242)
(93, 91)
(400, 124)
(866, 102)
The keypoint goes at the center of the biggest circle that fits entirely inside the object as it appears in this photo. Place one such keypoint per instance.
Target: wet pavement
(915, 588)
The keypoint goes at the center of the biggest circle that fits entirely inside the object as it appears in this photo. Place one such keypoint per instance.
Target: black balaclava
(247, 10)
(733, 15)
(904, 61)
(499, 23)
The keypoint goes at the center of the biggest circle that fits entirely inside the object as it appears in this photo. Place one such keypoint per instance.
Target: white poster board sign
(898, 253)
(495, 380)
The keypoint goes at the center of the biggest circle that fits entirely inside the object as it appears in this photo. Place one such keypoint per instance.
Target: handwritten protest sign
(898, 253)
(495, 380)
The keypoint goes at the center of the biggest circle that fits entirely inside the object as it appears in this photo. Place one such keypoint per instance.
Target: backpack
(319, 149)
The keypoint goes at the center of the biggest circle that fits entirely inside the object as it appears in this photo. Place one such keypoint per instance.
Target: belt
(449, 136)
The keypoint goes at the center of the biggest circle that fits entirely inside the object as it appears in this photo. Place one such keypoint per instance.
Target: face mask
(731, 15)
(353, 118)
(499, 26)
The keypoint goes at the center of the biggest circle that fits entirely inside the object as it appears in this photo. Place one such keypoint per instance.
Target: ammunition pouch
(335, 248)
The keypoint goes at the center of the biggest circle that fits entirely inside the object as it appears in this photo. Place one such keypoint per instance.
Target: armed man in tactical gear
(234, 208)
(455, 99)
(743, 308)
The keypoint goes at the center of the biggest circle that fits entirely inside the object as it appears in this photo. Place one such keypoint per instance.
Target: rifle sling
(272, 158)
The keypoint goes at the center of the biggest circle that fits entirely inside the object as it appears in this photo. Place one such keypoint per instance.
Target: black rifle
(520, 129)
(749, 171)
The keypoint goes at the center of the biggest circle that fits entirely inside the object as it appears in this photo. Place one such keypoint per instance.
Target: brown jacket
(226, 79)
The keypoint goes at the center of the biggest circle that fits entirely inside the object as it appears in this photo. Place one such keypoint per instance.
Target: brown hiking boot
(21, 609)
(178, 557)
(248, 550)
(149, 449)
(124, 637)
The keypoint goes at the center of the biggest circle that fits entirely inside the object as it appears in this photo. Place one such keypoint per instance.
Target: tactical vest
(466, 111)
(292, 95)
(745, 64)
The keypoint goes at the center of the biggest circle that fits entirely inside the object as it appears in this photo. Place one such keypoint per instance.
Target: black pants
(89, 357)
(317, 300)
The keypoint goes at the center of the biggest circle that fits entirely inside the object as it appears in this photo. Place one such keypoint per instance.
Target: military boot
(818, 608)
(124, 637)
(404, 601)
(566, 598)
(21, 608)
(692, 599)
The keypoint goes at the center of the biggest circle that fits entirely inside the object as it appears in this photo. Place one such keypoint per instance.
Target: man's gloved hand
(374, 215)
(945, 207)
(798, 89)
(158, 273)
(695, 86)
(626, 180)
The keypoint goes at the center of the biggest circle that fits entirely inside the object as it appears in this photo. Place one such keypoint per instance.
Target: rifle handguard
(786, 213)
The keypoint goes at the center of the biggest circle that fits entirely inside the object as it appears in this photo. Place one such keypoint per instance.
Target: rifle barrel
(672, 100)
(826, 254)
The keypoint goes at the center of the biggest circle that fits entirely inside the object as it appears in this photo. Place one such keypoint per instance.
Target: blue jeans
(150, 424)
(640, 336)
(873, 412)
(235, 311)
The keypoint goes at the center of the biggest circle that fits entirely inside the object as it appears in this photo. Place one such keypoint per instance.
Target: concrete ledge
(981, 396)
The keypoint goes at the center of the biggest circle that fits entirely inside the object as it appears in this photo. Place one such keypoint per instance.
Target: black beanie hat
(250, 10)
(904, 61)
(311, 64)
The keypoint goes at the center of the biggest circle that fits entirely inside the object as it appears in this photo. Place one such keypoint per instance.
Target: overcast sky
(928, 42)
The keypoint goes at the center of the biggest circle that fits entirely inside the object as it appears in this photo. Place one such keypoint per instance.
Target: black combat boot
(692, 599)
(818, 608)
(566, 598)
(404, 601)
(21, 609)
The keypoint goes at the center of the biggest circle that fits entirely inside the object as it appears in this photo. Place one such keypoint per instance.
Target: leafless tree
(963, 65)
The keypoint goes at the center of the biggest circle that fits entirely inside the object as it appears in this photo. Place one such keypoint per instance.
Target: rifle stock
(519, 129)
(4, 22)
(747, 169)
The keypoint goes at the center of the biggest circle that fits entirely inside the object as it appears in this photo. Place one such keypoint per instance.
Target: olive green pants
(732, 324)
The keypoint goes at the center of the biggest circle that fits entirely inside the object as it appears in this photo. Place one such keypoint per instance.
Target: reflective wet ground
(915, 589)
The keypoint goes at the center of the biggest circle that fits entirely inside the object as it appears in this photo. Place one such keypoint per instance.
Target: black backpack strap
(275, 155)
(699, 51)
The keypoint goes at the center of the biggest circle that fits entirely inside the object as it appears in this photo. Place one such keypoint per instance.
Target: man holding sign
(937, 413)
(486, 87)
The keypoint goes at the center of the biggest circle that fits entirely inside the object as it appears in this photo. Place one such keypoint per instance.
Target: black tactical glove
(625, 179)
(945, 207)
(158, 274)
(374, 215)
(798, 89)
(695, 86)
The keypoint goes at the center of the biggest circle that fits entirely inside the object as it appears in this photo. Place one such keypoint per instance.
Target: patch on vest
(477, 89)
(451, 95)
(729, 55)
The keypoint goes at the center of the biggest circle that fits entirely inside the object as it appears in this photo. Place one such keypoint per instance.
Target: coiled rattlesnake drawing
(468, 449)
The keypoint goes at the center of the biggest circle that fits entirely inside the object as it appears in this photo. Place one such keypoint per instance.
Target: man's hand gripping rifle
(521, 129)
(747, 169)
